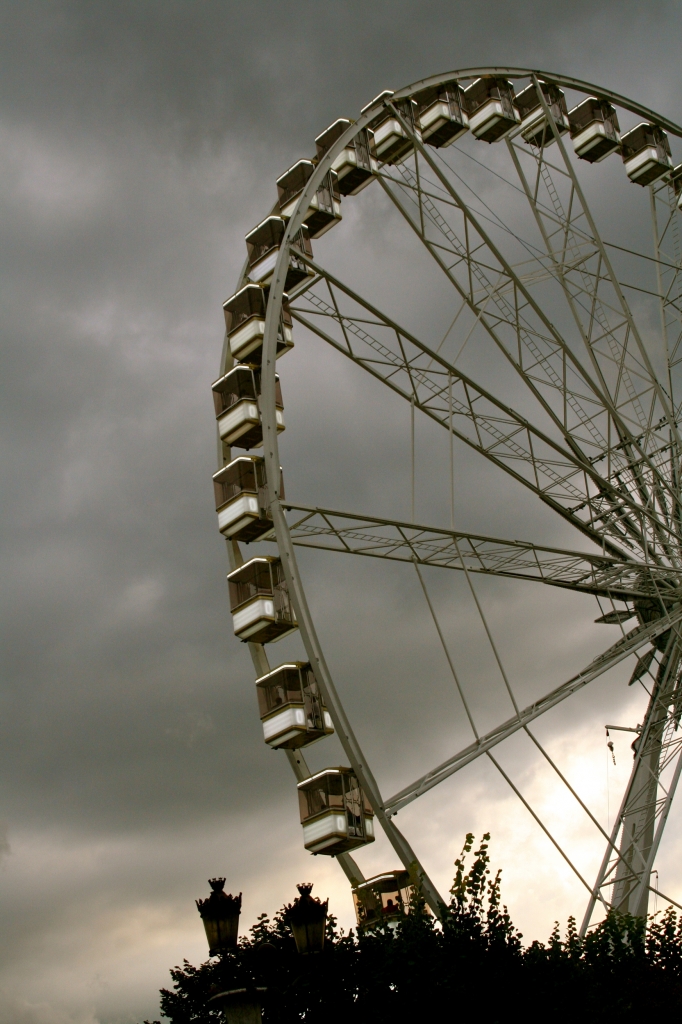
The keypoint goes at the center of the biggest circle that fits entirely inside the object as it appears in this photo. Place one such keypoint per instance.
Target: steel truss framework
(593, 433)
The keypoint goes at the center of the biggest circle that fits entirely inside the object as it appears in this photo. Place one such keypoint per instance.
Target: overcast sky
(139, 142)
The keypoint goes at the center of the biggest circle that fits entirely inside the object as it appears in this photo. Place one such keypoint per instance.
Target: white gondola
(291, 707)
(245, 323)
(242, 500)
(355, 166)
(383, 899)
(325, 206)
(390, 142)
(646, 153)
(594, 129)
(263, 245)
(236, 398)
(491, 109)
(535, 127)
(442, 114)
(259, 601)
(335, 813)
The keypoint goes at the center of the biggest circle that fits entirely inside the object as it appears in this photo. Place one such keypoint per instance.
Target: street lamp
(220, 914)
(240, 1005)
(307, 918)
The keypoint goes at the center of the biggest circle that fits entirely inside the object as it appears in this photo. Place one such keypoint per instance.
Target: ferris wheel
(561, 367)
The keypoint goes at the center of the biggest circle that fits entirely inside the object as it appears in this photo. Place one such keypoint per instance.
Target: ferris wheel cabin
(335, 813)
(245, 323)
(442, 115)
(262, 248)
(535, 128)
(236, 398)
(390, 142)
(491, 108)
(291, 707)
(354, 166)
(383, 899)
(259, 601)
(242, 501)
(594, 129)
(325, 206)
(646, 154)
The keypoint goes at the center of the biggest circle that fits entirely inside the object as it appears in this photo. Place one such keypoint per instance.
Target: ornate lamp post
(220, 914)
(307, 918)
(240, 1005)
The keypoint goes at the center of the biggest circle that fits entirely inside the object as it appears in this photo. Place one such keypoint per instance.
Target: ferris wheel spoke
(396, 540)
(485, 281)
(641, 361)
(547, 354)
(595, 298)
(546, 351)
(628, 472)
(626, 646)
(577, 264)
(668, 253)
(559, 476)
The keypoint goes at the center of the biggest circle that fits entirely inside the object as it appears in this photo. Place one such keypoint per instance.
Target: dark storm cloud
(139, 141)
(210, 69)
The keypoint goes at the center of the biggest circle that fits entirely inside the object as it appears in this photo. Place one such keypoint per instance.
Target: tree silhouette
(471, 966)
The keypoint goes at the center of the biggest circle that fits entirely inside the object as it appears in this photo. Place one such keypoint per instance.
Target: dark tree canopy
(473, 967)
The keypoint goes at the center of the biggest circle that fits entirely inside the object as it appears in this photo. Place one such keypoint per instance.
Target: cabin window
(485, 89)
(256, 581)
(267, 236)
(238, 477)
